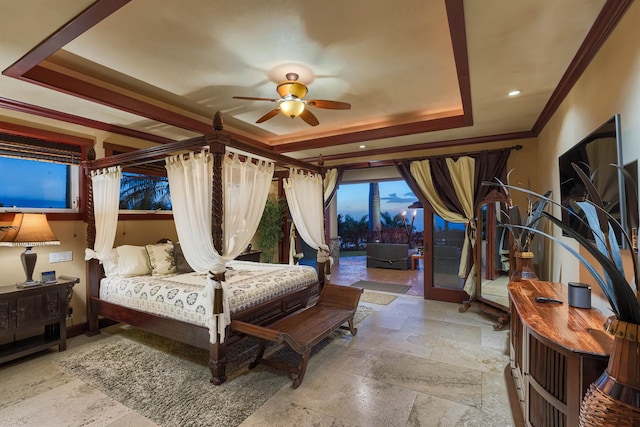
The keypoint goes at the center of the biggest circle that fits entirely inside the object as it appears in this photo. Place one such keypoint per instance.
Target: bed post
(217, 350)
(325, 266)
(93, 273)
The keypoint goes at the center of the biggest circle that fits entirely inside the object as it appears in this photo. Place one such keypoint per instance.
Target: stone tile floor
(414, 362)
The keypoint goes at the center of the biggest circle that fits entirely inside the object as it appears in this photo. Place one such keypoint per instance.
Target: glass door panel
(441, 280)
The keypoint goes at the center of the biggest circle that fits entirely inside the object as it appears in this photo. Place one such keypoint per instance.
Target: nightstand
(42, 307)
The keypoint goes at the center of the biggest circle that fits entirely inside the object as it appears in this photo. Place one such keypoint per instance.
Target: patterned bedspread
(181, 296)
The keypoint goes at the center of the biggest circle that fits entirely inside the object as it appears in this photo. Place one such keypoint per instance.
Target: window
(38, 175)
(144, 192)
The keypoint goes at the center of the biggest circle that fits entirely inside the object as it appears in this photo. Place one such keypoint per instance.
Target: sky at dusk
(395, 198)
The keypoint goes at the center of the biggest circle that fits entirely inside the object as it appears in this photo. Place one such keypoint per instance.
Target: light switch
(60, 257)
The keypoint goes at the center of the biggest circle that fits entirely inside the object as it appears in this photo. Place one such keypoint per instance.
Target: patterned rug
(168, 382)
(397, 288)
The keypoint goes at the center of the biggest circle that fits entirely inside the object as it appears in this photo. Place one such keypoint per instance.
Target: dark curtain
(489, 165)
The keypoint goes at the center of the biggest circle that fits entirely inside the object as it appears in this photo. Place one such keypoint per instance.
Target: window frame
(111, 149)
(78, 182)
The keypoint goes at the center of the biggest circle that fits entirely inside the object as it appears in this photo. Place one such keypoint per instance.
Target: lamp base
(29, 258)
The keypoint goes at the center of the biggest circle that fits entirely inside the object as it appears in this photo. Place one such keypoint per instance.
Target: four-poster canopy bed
(213, 336)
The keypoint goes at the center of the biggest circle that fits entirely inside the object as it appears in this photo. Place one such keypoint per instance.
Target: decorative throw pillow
(110, 263)
(161, 258)
(133, 261)
(182, 266)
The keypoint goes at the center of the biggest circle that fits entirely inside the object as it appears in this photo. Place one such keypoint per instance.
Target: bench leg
(352, 328)
(261, 348)
(304, 359)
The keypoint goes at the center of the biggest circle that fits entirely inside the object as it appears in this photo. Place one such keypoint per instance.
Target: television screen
(595, 155)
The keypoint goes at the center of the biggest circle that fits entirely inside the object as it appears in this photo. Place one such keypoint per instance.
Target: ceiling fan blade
(251, 98)
(332, 105)
(309, 117)
(267, 116)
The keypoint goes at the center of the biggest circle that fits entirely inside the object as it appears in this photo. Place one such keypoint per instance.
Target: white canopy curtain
(245, 189)
(106, 202)
(330, 182)
(462, 176)
(304, 193)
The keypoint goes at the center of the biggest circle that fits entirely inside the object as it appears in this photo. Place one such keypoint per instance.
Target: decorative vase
(614, 398)
(524, 267)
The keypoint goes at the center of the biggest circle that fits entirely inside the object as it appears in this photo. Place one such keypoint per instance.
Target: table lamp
(29, 230)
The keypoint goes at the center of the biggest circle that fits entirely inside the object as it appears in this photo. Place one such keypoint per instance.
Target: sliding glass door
(443, 243)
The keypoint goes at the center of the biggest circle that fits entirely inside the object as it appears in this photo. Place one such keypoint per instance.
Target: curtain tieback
(217, 293)
(90, 254)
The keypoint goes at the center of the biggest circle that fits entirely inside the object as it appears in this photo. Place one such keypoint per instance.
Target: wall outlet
(60, 256)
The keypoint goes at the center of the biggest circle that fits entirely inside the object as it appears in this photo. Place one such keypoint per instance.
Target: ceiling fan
(292, 104)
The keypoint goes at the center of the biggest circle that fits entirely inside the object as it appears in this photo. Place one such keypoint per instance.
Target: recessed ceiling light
(514, 93)
(363, 146)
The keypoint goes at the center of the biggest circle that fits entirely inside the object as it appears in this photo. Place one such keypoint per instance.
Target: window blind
(39, 149)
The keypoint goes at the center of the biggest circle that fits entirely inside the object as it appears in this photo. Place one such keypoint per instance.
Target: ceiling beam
(86, 19)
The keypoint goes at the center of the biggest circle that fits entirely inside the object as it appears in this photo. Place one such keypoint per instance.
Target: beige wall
(610, 85)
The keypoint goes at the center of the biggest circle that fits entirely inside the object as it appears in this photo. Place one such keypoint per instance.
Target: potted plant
(270, 228)
(522, 232)
(614, 399)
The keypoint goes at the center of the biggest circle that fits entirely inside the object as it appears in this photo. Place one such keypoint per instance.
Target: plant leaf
(631, 192)
(620, 295)
(594, 196)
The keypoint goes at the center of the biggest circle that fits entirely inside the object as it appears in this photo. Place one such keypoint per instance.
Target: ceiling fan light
(291, 108)
(291, 88)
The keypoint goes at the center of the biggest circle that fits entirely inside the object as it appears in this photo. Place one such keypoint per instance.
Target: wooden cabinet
(556, 352)
(33, 319)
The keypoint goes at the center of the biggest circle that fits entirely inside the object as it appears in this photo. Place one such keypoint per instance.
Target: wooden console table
(556, 352)
(41, 308)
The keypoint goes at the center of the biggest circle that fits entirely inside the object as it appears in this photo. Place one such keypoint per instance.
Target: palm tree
(144, 192)
(374, 207)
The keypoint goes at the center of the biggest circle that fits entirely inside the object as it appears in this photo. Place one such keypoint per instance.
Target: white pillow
(161, 259)
(110, 263)
(133, 261)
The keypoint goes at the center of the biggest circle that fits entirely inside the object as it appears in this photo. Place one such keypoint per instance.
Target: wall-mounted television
(595, 153)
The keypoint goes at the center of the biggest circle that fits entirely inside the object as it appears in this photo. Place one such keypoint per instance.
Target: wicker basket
(614, 399)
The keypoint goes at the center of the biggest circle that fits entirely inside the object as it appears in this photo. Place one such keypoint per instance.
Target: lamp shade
(29, 230)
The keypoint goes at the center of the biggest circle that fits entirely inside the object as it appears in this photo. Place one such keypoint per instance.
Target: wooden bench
(302, 330)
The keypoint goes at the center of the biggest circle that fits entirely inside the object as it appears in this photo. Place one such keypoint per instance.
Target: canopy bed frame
(261, 314)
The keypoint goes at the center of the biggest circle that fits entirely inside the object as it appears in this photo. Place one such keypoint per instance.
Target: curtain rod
(382, 163)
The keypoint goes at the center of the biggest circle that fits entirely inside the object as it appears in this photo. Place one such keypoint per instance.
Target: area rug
(377, 298)
(380, 286)
(168, 382)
